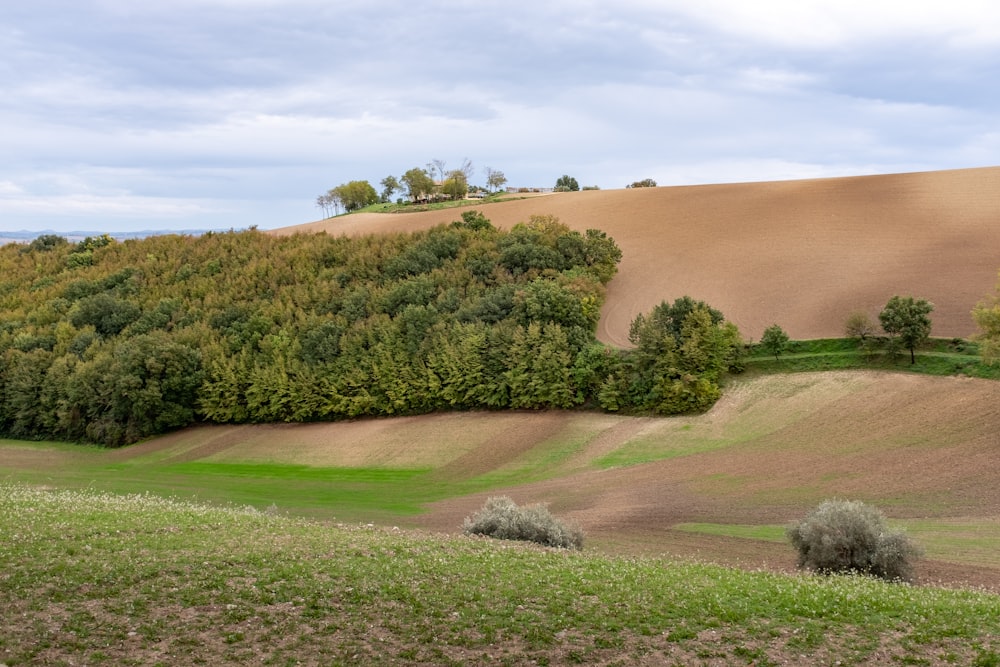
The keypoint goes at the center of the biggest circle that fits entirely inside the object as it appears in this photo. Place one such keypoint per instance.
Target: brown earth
(802, 254)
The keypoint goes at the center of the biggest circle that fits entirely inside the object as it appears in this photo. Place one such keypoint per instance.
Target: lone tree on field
(774, 340)
(907, 319)
(566, 183)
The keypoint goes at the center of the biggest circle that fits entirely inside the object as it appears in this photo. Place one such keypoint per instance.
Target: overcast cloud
(208, 114)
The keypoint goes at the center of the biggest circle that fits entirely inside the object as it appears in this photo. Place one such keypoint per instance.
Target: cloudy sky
(120, 115)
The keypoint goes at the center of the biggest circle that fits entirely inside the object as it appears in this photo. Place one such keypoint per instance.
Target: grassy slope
(774, 446)
(101, 579)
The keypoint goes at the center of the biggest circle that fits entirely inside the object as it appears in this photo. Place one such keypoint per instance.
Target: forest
(111, 342)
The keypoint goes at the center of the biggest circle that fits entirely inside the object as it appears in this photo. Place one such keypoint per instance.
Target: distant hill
(25, 236)
(802, 254)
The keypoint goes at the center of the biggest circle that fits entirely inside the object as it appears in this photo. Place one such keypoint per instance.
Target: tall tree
(437, 166)
(467, 169)
(330, 202)
(494, 179)
(389, 186)
(908, 320)
(456, 185)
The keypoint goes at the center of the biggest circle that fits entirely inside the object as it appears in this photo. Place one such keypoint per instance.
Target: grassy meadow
(94, 578)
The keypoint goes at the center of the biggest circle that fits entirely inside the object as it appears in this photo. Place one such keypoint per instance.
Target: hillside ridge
(804, 254)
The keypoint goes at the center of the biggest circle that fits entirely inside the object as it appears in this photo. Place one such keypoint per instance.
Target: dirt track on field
(802, 254)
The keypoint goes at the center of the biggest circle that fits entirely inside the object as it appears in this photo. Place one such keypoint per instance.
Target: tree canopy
(419, 184)
(153, 334)
(774, 340)
(907, 320)
(566, 183)
(644, 183)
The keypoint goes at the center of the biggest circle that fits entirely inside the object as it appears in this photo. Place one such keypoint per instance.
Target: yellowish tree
(987, 317)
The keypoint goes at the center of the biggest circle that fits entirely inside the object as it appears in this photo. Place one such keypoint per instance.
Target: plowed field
(802, 254)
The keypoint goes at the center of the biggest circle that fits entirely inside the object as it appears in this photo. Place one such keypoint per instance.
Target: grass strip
(940, 356)
(103, 579)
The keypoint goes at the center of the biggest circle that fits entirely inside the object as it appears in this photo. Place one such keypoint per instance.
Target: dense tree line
(112, 342)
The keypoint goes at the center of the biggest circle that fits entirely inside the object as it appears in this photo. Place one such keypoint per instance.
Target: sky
(120, 115)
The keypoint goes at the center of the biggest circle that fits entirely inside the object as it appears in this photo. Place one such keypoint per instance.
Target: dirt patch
(803, 254)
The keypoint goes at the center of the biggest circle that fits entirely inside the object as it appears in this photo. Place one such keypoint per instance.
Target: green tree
(456, 185)
(494, 179)
(908, 320)
(108, 314)
(389, 186)
(774, 340)
(566, 183)
(668, 319)
(419, 184)
(355, 195)
(46, 243)
(644, 183)
(681, 354)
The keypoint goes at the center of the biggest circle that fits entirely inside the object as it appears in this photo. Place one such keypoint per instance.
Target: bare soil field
(802, 254)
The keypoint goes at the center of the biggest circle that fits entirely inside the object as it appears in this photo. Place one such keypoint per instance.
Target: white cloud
(10, 189)
(191, 107)
(829, 24)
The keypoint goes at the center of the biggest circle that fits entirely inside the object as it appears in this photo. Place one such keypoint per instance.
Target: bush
(850, 536)
(502, 519)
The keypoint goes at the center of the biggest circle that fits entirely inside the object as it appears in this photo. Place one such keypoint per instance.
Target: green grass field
(91, 578)
(940, 356)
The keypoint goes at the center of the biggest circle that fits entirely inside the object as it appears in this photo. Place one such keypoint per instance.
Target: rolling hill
(802, 254)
